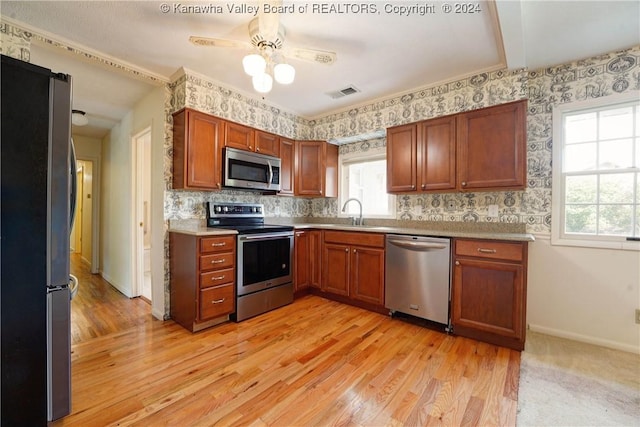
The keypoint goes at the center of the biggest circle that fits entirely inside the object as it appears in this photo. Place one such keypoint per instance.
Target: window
(364, 176)
(596, 172)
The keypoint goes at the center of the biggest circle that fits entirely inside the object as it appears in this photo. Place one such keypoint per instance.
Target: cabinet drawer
(216, 301)
(217, 244)
(490, 249)
(350, 238)
(217, 261)
(217, 277)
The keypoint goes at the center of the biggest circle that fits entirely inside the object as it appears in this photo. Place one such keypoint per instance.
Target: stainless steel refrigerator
(36, 176)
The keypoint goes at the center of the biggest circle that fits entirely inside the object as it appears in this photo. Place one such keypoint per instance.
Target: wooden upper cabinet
(239, 136)
(316, 171)
(250, 139)
(492, 147)
(287, 166)
(196, 150)
(402, 155)
(437, 154)
(267, 143)
(480, 150)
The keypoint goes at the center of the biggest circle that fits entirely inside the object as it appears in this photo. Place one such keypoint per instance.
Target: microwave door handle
(270, 176)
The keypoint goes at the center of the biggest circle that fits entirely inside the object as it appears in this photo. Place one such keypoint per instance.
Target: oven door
(264, 261)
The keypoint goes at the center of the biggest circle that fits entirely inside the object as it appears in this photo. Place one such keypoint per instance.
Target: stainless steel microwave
(252, 171)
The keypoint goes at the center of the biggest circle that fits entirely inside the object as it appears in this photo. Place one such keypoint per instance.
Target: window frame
(360, 157)
(558, 235)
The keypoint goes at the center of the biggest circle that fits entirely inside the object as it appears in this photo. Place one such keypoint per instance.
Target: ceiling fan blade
(269, 23)
(206, 41)
(313, 55)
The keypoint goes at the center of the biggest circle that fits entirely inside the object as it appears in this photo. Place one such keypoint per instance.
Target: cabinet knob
(218, 301)
(423, 186)
(354, 251)
(457, 262)
(217, 261)
(250, 147)
(217, 278)
(218, 244)
(346, 250)
(463, 183)
(257, 148)
(218, 185)
(413, 187)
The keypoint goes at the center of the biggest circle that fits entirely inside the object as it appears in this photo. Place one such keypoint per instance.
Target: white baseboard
(157, 314)
(115, 285)
(585, 338)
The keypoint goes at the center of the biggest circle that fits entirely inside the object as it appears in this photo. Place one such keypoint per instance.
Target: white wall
(115, 224)
(584, 294)
(149, 112)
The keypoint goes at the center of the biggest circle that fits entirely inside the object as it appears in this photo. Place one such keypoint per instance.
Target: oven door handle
(273, 236)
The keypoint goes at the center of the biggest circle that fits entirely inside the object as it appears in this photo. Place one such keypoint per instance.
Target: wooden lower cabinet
(307, 259)
(353, 266)
(202, 284)
(336, 269)
(489, 291)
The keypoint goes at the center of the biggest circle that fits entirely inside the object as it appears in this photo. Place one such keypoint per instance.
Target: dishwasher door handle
(418, 246)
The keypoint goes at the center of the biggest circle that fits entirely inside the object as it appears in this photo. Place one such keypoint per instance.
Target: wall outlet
(493, 211)
(638, 316)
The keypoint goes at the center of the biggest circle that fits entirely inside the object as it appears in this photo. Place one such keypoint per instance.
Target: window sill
(623, 245)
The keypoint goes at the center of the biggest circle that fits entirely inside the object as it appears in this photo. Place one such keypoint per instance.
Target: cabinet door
(488, 296)
(335, 275)
(310, 168)
(287, 166)
(267, 143)
(203, 156)
(238, 136)
(315, 258)
(367, 275)
(401, 158)
(492, 147)
(437, 154)
(301, 260)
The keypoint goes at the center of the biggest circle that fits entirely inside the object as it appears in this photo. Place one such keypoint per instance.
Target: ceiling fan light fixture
(254, 64)
(79, 118)
(284, 73)
(262, 83)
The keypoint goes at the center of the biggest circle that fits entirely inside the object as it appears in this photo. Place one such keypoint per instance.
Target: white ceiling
(381, 54)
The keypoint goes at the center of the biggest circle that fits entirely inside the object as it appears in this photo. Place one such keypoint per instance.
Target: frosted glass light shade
(262, 83)
(254, 64)
(79, 118)
(284, 73)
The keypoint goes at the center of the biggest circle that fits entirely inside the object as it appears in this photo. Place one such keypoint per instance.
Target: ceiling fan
(268, 60)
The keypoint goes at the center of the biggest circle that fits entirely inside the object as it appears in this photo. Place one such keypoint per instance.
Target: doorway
(142, 203)
(82, 232)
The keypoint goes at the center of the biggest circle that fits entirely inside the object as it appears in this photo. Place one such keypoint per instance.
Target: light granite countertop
(197, 227)
(492, 231)
(519, 237)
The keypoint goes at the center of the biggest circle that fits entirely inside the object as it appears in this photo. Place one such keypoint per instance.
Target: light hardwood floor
(314, 362)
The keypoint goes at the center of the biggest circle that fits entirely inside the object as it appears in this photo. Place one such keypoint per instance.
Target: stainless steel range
(264, 264)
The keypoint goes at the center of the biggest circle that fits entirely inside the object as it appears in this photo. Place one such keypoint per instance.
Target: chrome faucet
(359, 220)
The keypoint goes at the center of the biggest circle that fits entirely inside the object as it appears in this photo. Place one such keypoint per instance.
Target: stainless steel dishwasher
(417, 276)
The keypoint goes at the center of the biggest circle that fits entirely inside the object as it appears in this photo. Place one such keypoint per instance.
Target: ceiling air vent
(349, 90)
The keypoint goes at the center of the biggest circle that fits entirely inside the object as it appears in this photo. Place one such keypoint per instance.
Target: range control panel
(237, 210)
